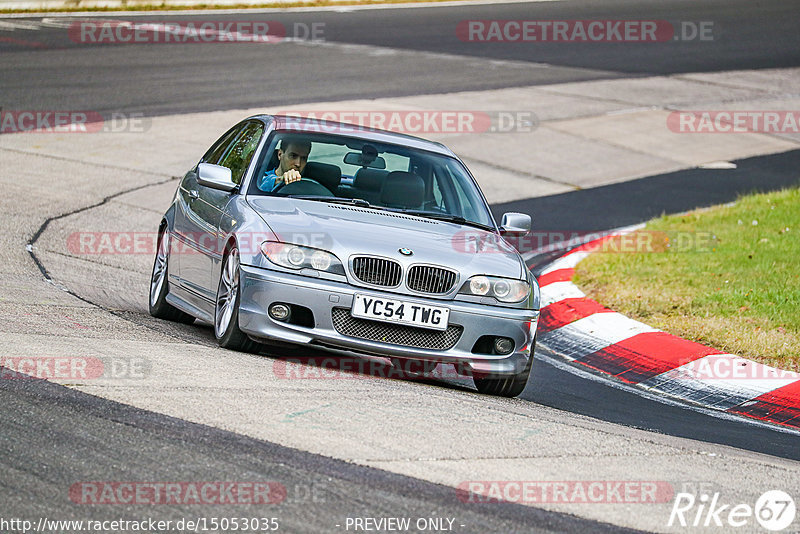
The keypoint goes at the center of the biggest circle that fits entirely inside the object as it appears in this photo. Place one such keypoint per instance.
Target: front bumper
(262, 287)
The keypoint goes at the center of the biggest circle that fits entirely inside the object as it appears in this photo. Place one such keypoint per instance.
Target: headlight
(321, 260)
(503, 289)
(479, 285)
(299, 257)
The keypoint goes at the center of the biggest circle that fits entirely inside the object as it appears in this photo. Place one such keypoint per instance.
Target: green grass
(729, 279)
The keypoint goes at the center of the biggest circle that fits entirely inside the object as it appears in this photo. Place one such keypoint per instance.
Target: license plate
(400, 312)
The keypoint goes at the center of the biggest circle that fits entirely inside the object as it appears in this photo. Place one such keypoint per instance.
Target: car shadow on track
(318, 364)
(312, 363)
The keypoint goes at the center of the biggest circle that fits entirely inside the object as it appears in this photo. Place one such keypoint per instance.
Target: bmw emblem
(406, 251)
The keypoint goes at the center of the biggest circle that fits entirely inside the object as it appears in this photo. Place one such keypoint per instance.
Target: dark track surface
(44, 69)
(636, 201)
(52, 437)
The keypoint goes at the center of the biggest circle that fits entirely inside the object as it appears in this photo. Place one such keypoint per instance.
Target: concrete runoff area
(122, 182)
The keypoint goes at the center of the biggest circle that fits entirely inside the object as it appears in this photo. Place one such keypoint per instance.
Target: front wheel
(159, 284)
(509, 386)
(226, 311)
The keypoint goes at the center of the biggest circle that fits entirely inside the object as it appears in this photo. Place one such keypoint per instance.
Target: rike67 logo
(775, 510)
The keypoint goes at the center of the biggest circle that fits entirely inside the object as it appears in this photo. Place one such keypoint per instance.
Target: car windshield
(337, 168)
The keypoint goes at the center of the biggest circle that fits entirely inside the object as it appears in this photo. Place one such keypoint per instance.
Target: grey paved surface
(440, 433)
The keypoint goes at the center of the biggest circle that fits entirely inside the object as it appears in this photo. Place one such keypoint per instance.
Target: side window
(241, 152)
(216, 151)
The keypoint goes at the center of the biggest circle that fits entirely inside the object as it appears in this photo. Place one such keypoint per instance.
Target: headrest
(369, 179)
(328, 175)
(403, 190)
(273, 161)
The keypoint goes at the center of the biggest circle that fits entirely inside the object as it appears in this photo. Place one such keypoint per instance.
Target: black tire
(506, 386)
(159, 284)
(226, 329)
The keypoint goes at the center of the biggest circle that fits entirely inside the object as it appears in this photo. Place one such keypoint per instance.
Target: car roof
(313, 125)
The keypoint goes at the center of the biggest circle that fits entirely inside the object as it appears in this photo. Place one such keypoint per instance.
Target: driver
(292, 159)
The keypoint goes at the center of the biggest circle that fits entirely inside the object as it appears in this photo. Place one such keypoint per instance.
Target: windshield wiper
(360, 202)
(447, 217)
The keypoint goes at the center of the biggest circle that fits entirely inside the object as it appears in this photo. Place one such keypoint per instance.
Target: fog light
(279, 312)
(503, 345)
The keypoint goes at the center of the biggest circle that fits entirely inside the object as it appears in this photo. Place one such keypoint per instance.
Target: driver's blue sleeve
(267, 182)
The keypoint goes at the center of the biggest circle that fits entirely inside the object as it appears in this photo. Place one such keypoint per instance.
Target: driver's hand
(290, 176)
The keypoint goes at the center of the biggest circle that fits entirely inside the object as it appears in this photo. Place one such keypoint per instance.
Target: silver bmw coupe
(349, 239)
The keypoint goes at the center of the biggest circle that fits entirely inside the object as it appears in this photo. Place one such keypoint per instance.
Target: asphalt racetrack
(427, 56)
(342, 449)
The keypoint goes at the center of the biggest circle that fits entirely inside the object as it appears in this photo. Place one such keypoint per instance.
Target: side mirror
(215, 177)
(515, 224)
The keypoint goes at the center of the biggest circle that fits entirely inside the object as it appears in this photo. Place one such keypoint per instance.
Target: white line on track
(439, 56)
(335, 8)
(10, 26)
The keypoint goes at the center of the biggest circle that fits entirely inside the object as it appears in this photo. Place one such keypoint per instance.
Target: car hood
(349, 230)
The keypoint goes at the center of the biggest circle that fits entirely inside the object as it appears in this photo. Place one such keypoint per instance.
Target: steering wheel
(304, 186)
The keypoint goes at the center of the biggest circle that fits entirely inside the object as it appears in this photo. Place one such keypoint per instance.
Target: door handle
(193, 195)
